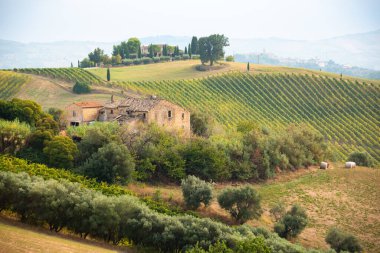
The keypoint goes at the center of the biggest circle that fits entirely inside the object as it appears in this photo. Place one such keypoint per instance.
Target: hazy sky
(114, 20)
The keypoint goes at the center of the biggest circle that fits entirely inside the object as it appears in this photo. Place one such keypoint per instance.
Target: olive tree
(292, 223)
(196, 191)
(342, 241)
(242, 203)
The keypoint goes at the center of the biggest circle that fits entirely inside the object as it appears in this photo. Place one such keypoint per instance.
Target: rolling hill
(345, 110)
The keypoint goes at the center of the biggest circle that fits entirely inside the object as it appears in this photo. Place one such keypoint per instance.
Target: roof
(88, 104)
(139, 104)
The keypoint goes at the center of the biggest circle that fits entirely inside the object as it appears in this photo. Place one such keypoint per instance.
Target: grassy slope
(11, 83)
(54, 93)
(186, 70)
(17, 237)
(336, 197)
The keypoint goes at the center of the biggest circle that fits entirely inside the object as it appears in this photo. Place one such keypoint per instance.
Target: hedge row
(114, 218)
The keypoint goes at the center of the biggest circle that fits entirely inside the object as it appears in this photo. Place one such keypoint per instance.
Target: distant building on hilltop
(132, 111)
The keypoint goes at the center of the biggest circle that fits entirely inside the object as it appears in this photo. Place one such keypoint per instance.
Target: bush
(277, 211)
(177, 58)
(292, 223)
(156, 59)
(342, 241)
(195, 57)
(111, 163)
(242, 203)
(13, 135)
(146, 60)
(137, 61)
(196, 191)
(185, 57)
(165, 58)
(81, 88)
(127, 62)
(361, 159)
(230, 58)
(61, 152)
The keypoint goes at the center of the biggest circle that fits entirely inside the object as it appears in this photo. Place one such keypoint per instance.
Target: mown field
(20, 238)
(346, 112)
(347, 199)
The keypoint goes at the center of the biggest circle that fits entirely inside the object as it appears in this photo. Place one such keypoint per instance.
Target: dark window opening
(169, 114)
(183, 116)
(74, 123)
(144, 115)
(111, 111)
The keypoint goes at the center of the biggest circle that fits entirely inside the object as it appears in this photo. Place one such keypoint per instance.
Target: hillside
(11, 83)
(344, 111)
(47, 91)
(17, 237)
(332, 198)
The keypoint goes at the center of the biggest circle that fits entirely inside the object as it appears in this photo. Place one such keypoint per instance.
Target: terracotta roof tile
(88, 104)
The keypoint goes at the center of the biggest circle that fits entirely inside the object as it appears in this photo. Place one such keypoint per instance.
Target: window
(183, 116)
(111, 111)
(144, 115)
(169, 114)
(74, 113)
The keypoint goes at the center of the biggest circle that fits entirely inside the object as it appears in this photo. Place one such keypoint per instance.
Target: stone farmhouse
(131, 111)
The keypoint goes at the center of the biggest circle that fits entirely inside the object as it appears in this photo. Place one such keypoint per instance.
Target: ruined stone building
(131, 111)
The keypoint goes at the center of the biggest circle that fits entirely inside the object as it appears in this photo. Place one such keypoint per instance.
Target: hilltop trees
(194, 45)
(81, 88)
(96, 56)
(211, 48)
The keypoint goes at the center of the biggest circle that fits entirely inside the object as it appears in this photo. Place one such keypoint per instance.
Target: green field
(17, 237)
(346, 112)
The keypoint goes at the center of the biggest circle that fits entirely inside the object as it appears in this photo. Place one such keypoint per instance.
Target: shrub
(292, 223)
(137, 61)
(111, 163)
(81, 88)
(13, 135)
(195, 57)
(342, 241)
(196, 191)
(361, 159)
(60, 152)
(127, 62)
(165, 58)
(146, 60)
(242, 203)
(156, 59)
(230, 58)
(177, 58)
(185, 57)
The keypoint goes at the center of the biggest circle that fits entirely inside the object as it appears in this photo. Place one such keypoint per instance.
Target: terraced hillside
(66, 74)
(346, 112)
(11, 83)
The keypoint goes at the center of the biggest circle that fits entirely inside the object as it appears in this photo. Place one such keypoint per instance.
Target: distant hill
(362, 50)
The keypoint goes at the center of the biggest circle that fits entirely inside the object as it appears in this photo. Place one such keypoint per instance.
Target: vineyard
(346, 112)
(65, 74)
(10, 83)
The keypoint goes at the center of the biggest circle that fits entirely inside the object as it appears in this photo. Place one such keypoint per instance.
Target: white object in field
(324, 165)
(350, 165)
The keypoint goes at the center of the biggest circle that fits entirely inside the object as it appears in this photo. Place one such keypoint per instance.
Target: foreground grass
(348, 199)
(17, 237)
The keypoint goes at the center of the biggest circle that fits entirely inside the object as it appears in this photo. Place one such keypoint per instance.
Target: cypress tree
(151, 51)
(72, 65)
(108, 74)
(194, 45)
(165, 50)
(78, 64)
(248, 66)
(189, 50)
(185, 50)
(139, 53)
